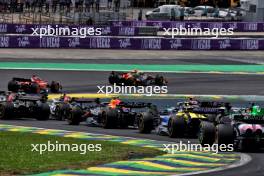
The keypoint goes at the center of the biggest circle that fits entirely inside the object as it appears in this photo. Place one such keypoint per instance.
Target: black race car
(76, 109)
(143, 116)
(25, 106)
(136, 78)
(2, 96)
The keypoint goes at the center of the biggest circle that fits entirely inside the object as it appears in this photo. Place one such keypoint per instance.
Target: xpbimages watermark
(189, 147)
(195, 31)
(81, 32)
(61, 147)
(121, 89)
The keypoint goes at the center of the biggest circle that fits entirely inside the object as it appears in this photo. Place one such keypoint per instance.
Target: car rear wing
(29, 97)
(21, 79)
(134, 105)
(201, 110)
(248, 118)
(214, 104)
(85, 100)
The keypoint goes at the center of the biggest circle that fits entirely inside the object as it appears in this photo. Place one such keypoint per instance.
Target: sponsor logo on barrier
(175, 44)
(201, 44)
(151, 44)
(177, 25)
(250, 44)
(4, 42)
(100, 42)
(232, 25)
(50, 42)
(215, 25)
(23, 41)
(20, 28)
(124, 43)
(157, 24)
(224, 44)
(126, 31)
(139, 23)
(196, 25)
(106, 31)
(74, 42)
(251, 26)
(3, 28)
(117, 23)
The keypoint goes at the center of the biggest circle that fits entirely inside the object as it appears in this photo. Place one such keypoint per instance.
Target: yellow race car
(186, 121)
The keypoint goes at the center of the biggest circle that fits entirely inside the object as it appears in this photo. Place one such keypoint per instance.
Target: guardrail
(237, 26)
(130, 43)
(106, 30)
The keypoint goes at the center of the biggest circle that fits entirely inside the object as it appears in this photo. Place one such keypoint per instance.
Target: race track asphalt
(82, 81)
(179, 83)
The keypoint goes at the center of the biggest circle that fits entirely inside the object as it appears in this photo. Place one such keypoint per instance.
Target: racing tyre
(206, 134)
(224, 134)
(62, 111)
(123, 122)
(212, 118)
(43, 111)
(176, 127)
(34, 88)
(55, 87)
(109, 118)
(145, 124)
(75, 116)
(159, 80)
(6, 110)
(113, 78)
(13, 86)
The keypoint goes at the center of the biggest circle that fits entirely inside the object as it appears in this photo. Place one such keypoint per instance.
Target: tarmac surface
(82, 81)
(179, 83)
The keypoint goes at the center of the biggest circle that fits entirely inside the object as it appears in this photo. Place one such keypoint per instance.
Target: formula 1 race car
(76, 109)
(136, 78)
(25, 106)
(162, 128)
(2, 96)
(143, 116)
(187, 119)
(243, 130)
(33, 85)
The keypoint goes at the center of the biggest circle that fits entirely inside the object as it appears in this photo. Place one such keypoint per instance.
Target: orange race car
(33, 85)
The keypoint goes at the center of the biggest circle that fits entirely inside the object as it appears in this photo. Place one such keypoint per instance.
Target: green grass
(16, 156)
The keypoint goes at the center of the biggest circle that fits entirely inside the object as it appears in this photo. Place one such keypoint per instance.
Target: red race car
(33, 85)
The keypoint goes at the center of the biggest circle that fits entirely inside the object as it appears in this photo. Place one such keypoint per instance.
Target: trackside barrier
(237, 26)
(130, 43)
(106, 30)
(130, 28)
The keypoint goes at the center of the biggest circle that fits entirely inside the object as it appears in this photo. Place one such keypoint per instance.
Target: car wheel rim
(104, 119)
(141, 124)
(170, 126)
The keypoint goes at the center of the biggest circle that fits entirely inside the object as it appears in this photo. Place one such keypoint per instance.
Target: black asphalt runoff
(210, 84)
(210, 61)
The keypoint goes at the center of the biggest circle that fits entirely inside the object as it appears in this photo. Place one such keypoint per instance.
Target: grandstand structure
(48, 14)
